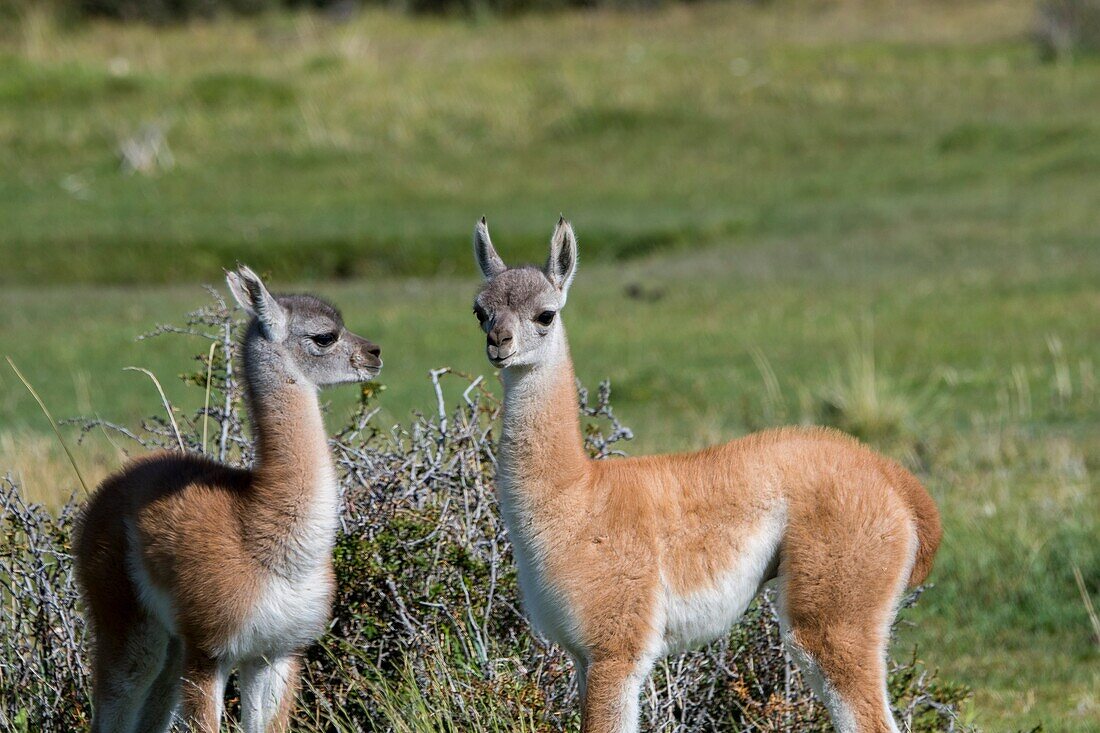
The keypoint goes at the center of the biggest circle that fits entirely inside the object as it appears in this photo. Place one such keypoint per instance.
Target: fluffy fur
(624, 561)
(189, 568)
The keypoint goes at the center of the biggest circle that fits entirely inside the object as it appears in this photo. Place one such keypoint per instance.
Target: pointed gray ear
(561, 266)
(487, 258)
(239, 292)
(251, 294)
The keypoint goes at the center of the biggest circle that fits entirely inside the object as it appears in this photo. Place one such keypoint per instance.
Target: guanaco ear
(251, 294)
(561, 266)
(487, 258)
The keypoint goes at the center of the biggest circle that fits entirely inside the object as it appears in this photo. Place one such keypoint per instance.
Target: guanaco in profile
(189, 568)
(624, 561)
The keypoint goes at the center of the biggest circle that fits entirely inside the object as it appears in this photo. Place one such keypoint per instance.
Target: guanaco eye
(545, 318)
(480, 313)
(325, 339)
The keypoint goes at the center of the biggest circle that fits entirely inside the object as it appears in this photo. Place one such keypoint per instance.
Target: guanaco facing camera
(627, 560)
(190, 568)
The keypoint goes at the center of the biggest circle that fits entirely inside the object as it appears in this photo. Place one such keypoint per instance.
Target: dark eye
(480, 313)
(545, 318)
(325, 339)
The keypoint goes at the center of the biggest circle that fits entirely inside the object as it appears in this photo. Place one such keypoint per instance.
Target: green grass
(317, 149)
(765, 197)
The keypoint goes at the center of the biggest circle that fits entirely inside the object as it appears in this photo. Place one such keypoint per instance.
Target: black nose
(374, 349)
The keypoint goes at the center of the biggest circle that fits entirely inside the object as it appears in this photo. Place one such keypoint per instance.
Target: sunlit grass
(40, 467)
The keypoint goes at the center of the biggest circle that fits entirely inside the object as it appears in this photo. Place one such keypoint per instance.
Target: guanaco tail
(189, 568)
(624, 561)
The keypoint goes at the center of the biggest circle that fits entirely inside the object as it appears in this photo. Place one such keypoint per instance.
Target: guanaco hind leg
(126, 667)
(164, 694)
(854, 695)
(836, 614)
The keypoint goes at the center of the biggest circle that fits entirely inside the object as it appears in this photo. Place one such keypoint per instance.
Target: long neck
(542, 451)
(293, 496)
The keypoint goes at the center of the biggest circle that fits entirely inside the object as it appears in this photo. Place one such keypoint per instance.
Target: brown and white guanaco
(189, 568)
(624, 561)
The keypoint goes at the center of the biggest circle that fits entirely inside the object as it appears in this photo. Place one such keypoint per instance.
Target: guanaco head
(301, 335)
(518, 306)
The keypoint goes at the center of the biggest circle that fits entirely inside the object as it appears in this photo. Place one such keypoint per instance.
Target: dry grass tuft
(864, 401)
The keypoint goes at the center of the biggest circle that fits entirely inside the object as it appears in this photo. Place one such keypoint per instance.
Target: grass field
(880, 216)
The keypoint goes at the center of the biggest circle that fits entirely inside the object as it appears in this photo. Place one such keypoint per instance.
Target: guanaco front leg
(203, 692)
(612, 688)
(268, 689)
(581, 667)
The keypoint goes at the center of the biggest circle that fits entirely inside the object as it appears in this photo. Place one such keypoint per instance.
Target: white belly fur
(686, 621)
(293, 608)
(701, 616)
(289, 614)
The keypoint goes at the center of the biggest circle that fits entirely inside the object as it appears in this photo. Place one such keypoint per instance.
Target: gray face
(518, 308)
(324, 351)
(303, 335)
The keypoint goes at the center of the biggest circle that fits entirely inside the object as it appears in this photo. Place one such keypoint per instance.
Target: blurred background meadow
(883, 216)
